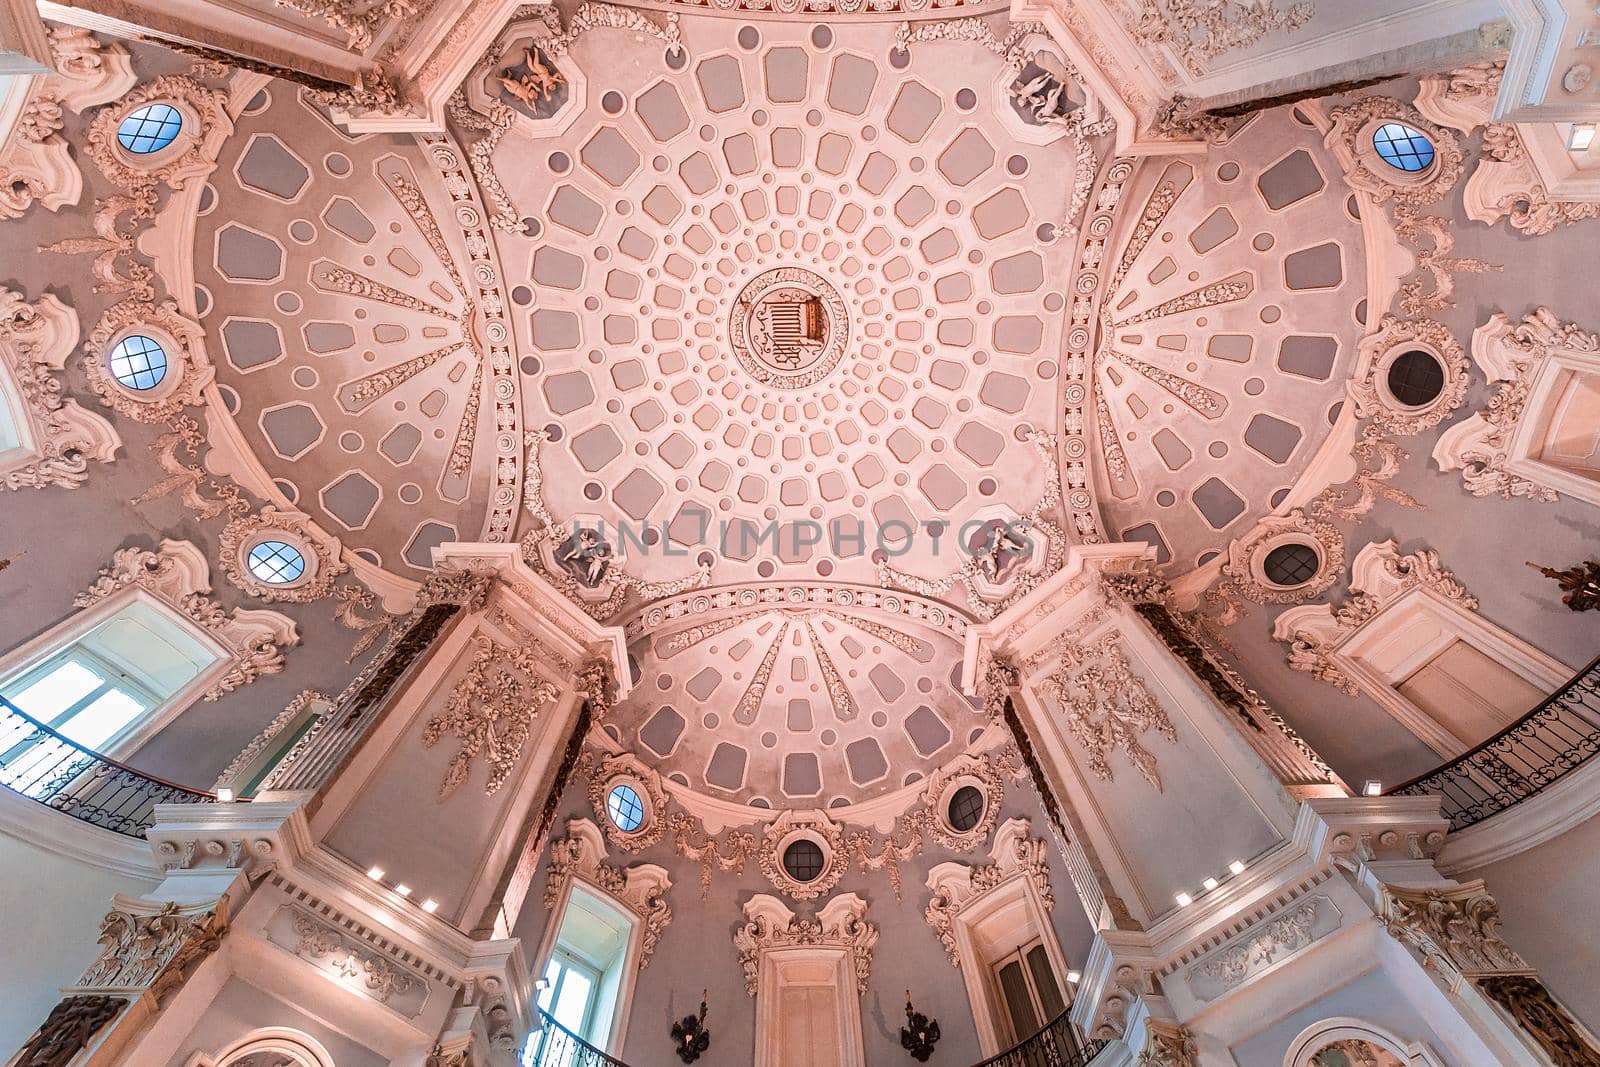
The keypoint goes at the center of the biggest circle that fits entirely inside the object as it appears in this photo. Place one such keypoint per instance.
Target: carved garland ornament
(840, 923)
(491, 709)
(58, 437)
(177, 575)
(349, 958)
(641, 888)
(1202, 30)
(1106, 707)
(1512, 355)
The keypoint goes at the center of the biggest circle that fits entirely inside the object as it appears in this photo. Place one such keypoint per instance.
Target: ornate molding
(260, 742)
(981, 773)
(1199, 31)
(955, 885)
(627, 769)
(154, 945)
(840, 923)
(1530, 1005)
(323, 563)
(1168, 1045)
(491, 709)
(70, 1028)
(1512, 355)
(191, 155)
(58, 437)
(1378, 349)
(1106, 707)
(177, 575)
(188, 371)
(1350, 139)
(1456, 929)
(1507, 185)
(1379, 577)
(350, 959)
(1262, 946)
(789, 827)
(641, 888)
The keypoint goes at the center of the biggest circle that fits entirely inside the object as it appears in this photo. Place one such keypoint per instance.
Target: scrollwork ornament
(187, 374)
(244, 532)
(491, 709)
(1393, 337)
(1350, 140)
(1107, 708)
(840, 923)
(188, 157)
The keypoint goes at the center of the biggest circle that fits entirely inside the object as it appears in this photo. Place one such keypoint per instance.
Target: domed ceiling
(734, 317)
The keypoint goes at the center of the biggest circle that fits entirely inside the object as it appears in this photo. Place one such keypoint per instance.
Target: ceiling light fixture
(1373, 788)
(1184, 900)
(224, 796)
(403, 889)
(1236, 867)
(1073, 977)
(375, 873)
(1580, 137)
(1210, 884)
(430, 905)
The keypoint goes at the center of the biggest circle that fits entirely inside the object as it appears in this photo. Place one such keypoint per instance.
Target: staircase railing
(553, 1045)
(1523, 760)
(1056, 1045)
(42, 765)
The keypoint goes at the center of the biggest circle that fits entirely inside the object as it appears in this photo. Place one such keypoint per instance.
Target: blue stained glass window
(625, 808)
(150, 128)
(1403, 147)
(138, 362)
(276, 562)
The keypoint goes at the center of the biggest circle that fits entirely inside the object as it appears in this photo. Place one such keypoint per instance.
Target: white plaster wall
(1550, 904)
(48, 925)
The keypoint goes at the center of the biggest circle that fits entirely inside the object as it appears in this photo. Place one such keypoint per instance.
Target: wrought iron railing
(42, 765)
(553, 1045)
(1533, 753)
(1056, 1045)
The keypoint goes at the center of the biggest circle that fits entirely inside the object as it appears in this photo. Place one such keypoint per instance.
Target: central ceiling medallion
(788, 328)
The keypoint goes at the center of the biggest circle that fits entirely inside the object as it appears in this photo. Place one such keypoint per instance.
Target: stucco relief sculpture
(154, 945)
(956, 885)
(1107, 708)
(1200, 31)
(177, 573)
(641, 888)
(349, 959)
(58, 438)
(1495, 448)
(491, 710)
(840, 923)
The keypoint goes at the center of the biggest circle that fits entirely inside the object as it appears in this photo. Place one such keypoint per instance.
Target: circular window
(138, 362)
(1292, 564)
(1415, 378)
(149, 129)
(1403, 147)
(966, 808)
(803, 860)
(277, 562)
(625, 808)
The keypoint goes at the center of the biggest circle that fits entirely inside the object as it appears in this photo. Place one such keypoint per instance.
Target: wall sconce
(920, 1033)
(1580, 583)
(689, 1034)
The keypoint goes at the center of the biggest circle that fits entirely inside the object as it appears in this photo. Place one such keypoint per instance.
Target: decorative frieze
(840, 924)
(57, 437)
(177, 574)
(1261, 946)
(349, 959)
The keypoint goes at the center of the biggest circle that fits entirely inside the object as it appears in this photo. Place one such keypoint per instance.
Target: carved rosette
(1350, 140)
(177, 574)
(491, 709)
(154, 945)
(58, 438)
(1379, 577)
(641, 888)
(1511, 355)
(323, 564)
(840, 923)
